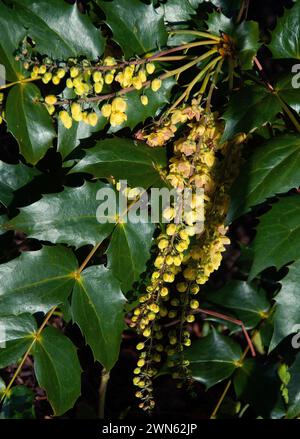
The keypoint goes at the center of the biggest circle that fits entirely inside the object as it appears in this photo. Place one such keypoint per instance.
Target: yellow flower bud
(190, 318)
(117, 118)
(150, 67)
(194, 304)
(42, 69)
(109, 61)
(140, 346)
(119, 104)
(156, 84)
(142, 75)
(51, 109)
(56, 80)
(163, 243)
(147, 332)
(69, 83)
(60, 73)
(93, 119)
(168, 277)
(171, 229)
(66, 119)
(137, 83)
(108, 79)
(74, 71)
(144, 100)
(141, 362)
(50, 99)
(106, 110)
(164, 292)
(98, 87)
(97, 77)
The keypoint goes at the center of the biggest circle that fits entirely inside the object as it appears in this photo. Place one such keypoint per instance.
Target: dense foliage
(175, 94)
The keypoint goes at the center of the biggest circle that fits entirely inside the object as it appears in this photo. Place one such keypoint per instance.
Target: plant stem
(221, 399)
(194, 32)
(289, 112)
(22, 81)
(102, 392)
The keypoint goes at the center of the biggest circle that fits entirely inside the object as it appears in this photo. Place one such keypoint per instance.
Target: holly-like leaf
(138, 28)
(285, 37)
(97, 308)
(247, 302)
(67, 217)
(124, 159)
(294, 390)
(287, 311)
(12, 33)
(288, 92)
(129, 250)
(178, 10)
(32, 127)
(16, 335)
(272, 169)
(278, 236)
(213, 358)
(137, 112)
(36, 281)
(13, 177)
(242, 115)
(59, 29)
(57, 369)
(245, 36)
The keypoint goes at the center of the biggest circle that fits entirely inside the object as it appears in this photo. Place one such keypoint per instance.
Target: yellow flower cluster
(186, 255)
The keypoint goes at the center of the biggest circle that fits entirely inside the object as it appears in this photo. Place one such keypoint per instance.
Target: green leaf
(137, 112)
(287, 311)
(138, 28)
(286, 36)
(3, 221)
(59, 29)
(245, 36)
(32, 127)
(13, 177)
(129, 250)
(213, 358)
(273, 168)
(242, 115)
(57, 369)
(67, 217)
(294, 390)
(124, 159)
(229, 7)
(19, 404)
(12, 33)
(16, 335)
(45, 279)
(288, 92)
(2, 386)
(278, 236)
(177, 10)
(97, 308)
(258, 385)
(248, 303)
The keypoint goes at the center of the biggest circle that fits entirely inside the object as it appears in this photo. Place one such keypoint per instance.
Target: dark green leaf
(97, 308)
(177, 10)
(278, 236)
(242, 115)
(67, 217)
(138, 28)
(16, 335)
(137, 112)
(258, 385)
(248, 303)
(285, 38)
(229, 7)
(19, 404)
(59, 29)
(124, 159)
(129, 250)
(213, 358)
(287, 311)
(272, 169)
(288, 92)
(45, 279)
(32, 127)
(12, 33)
(13, 177)
(245, 36)
(57, 369)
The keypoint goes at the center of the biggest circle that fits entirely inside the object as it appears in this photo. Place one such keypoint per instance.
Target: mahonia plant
(177, 96)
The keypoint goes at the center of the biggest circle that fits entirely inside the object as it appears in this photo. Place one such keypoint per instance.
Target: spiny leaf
(213, 358)
(57, 369)
(272, 169)
(67, 217)
(13, 177)
(285, 37)
(294, 390)
(59, 29)
(129, 250)
(278, 236)
(138, 28)
(29, 121)
(16, 335)
(44, 280)
(124, 159)
(97, 308)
